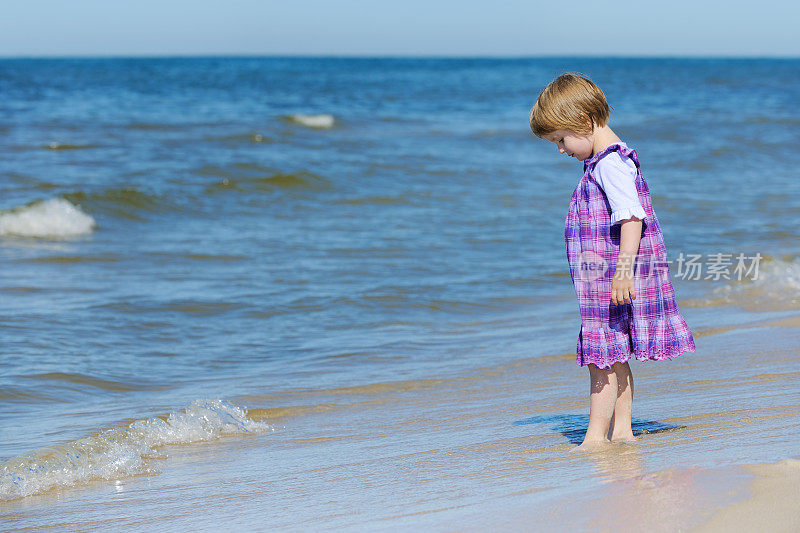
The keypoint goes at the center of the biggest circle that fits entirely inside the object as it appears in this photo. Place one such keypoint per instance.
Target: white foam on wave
(775, 285)
(121, 452)
(53, 218)
(314, 121)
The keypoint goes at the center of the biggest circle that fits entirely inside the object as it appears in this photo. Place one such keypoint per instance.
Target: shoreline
(457, 449)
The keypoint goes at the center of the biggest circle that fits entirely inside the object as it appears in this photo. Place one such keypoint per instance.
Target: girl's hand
(622, 291)
(622, 286)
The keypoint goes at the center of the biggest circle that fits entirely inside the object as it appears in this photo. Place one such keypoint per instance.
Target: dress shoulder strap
(589, 164)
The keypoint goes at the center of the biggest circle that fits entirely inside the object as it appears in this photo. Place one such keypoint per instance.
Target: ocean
(333, 292)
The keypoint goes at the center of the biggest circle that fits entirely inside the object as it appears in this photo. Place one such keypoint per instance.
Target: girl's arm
(622, 289)
(617, 178)
(630, 233)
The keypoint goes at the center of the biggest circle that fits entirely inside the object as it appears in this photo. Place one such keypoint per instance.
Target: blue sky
(400, 27)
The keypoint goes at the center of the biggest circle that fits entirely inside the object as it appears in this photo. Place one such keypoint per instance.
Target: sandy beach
(771, 502)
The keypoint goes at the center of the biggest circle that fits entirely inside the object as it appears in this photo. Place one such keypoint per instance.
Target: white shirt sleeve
(617, 177)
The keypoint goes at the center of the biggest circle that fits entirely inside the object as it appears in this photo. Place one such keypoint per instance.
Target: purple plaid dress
(651, 326)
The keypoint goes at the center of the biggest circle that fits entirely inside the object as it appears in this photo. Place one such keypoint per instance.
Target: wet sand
(772, 502)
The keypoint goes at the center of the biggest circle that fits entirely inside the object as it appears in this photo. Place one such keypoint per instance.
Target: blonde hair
(565, 103)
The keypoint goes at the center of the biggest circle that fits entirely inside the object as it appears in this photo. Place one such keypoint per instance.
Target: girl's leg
(602, 397)
(620, 427)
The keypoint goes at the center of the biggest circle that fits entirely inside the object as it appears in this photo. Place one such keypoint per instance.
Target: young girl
(616, 253)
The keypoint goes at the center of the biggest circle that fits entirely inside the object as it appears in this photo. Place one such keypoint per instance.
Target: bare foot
(624, 437)
(591, 446)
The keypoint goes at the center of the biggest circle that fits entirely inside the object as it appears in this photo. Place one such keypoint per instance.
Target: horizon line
(392, 56)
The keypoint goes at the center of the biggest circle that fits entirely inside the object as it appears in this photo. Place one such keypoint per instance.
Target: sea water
(211, 256)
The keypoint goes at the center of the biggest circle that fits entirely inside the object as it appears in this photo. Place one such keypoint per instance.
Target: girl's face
(572, 144)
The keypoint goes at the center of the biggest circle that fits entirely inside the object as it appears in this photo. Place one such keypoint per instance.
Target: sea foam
(776, 286)
(53, 218)
(121, 452)
(314, 121)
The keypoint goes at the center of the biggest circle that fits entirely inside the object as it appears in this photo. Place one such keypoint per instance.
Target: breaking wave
(775, 285)
(121, 452)
(313, 121)
(53, 218)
